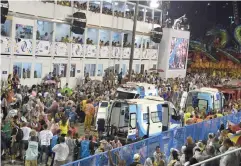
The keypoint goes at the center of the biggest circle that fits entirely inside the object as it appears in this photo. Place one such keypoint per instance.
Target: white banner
(152, 53)
(104, 51)
(116, 52)
(23, 47)
(91, 50)
(126, 52)
(137, 53)
(60, 49)
(43, 47)
(77, 50)
(145, 54)
(5, 45)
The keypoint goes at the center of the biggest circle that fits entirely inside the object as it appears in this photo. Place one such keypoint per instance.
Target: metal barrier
(174, 138)
(218, 157)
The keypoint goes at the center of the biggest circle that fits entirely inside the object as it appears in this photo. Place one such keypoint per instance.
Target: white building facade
(36, 39)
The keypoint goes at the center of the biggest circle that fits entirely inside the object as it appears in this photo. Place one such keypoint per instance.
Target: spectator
(24, 142)
(16, 138)
(189, 149)
(158, 155)
(61, 152)
(64, 126)
(4, 106)
(46, 36)
(32, 152)
(89, 113)
(136, 159)
(148, 162)
(44, 137)
(85, 147)
(174, 158)
(231, 159)
(71, 144)
(210, 151)
(54, 141)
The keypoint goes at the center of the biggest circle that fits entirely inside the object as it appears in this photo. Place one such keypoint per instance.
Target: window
(26, 70)
(62, 33)
(123, 69)
(92, 36)
(217, 104)
(125, 95)
(38, 70)
(90, 69)
(137, 69)
(142, 68)
(72, 70)
(133, 120)
(59, 69)
(104, 104)
(45, 31)
(100, 70)
(156, 116)
(24, 31)
(202, 104)
(6, 28)
(17, 69)
(145, 116)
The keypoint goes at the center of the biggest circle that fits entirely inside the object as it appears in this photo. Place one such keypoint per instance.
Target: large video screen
(178, 53)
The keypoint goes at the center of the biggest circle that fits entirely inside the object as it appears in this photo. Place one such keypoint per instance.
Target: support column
(133, 40)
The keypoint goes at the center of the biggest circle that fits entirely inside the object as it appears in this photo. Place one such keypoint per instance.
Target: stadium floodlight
(154, 4)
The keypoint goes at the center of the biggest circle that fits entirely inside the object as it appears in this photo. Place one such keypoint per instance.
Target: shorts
(31, 163)
(14, 148)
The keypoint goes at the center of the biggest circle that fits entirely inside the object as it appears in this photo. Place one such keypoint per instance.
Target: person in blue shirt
(54, 142)
(85, 148)
(67, 110)
(73, 115)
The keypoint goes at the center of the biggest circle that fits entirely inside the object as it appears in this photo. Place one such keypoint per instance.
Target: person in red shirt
(73, 129)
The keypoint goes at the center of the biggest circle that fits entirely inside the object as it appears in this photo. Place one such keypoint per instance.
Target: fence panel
(170, 139)
(127, 153)
(166, 142)
(152, 143)
(178, 138)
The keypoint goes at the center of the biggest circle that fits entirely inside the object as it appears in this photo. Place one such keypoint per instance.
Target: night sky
(203, 15)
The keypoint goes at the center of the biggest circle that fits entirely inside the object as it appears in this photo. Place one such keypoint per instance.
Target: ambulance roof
(141, 84)
(206, 90)
(130, 87)
(147, 100)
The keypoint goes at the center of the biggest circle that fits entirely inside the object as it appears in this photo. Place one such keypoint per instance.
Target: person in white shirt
(24, 142)
(19, 97)
(44, 138)
(31, 155)
(61, 152)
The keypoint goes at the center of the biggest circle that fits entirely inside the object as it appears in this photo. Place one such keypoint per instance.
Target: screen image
(178, 53)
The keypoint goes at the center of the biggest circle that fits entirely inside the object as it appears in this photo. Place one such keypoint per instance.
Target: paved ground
(81, 132)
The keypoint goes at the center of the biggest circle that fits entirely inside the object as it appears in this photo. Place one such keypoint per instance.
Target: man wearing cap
(136, 159)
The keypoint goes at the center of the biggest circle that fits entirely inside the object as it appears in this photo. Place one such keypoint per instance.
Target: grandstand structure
(36, 39)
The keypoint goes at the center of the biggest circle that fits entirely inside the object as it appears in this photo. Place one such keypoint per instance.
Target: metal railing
(218, 156)
(174, 138)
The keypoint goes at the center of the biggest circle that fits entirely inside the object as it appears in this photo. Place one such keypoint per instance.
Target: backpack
(76, 150)
(19, 135)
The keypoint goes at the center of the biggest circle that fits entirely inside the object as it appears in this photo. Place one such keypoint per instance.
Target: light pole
(133, 40)
(153, 4)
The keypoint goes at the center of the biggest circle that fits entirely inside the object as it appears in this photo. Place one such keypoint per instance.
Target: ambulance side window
(117, 105)
(133, 120)
(126, 113)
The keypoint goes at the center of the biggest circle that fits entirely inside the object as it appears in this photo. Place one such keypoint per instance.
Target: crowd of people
(39, 122)
(194, 152)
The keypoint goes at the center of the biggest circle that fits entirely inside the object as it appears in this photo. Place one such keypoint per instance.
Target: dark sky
(203, 15)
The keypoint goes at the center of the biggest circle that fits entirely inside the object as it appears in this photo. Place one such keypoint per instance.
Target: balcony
(119, 18)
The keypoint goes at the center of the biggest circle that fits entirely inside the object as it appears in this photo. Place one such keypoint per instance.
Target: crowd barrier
(174, 138)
